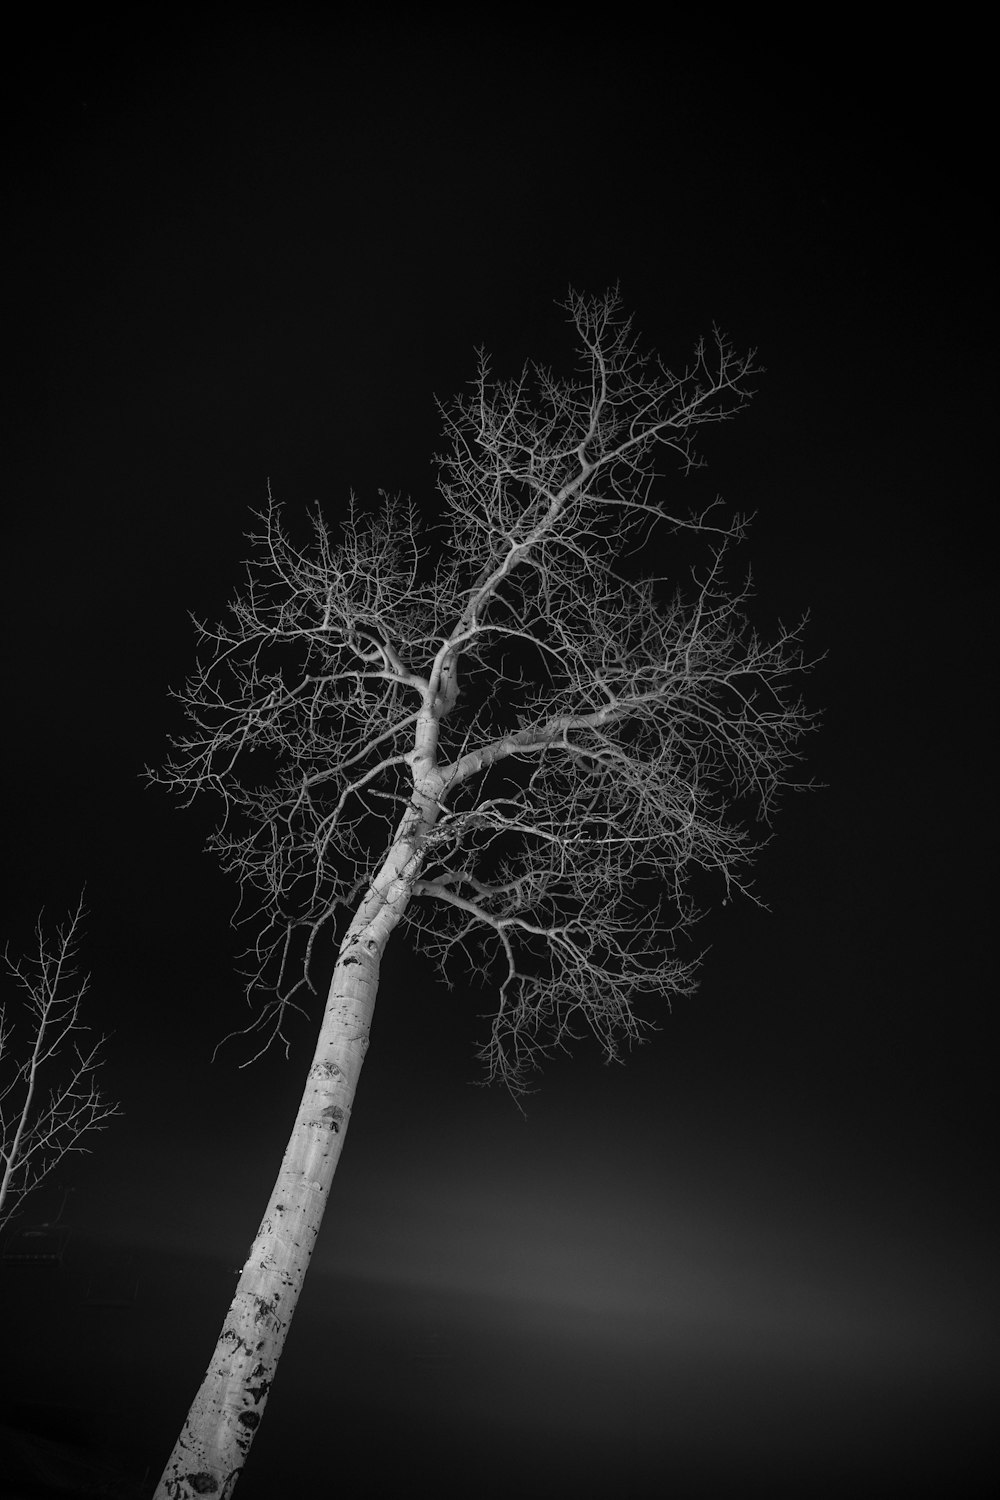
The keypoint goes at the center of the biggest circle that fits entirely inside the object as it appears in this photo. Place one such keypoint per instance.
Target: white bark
(213, 1446)
(547, 746)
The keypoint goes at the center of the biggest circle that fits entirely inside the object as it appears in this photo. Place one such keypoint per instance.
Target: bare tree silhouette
(490, 734)
(49, 1098)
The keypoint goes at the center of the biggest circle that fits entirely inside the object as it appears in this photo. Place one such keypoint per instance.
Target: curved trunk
(212, 1448)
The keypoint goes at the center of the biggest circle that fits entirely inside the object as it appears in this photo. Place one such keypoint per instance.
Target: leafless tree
(49, 1098)
(496, 733)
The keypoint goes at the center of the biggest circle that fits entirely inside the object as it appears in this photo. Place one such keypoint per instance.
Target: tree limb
(38, 1128)
(579, 732)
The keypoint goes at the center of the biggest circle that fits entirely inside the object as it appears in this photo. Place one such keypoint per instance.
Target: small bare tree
(494, 733)
(45, 1110)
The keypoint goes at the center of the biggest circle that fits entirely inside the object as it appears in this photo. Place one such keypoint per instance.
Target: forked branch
(49, 1098)
(587, 734)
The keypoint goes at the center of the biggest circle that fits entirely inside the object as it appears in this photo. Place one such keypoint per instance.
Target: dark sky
(757, 1259)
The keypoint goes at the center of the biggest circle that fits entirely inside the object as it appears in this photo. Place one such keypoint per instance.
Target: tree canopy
(589, 733)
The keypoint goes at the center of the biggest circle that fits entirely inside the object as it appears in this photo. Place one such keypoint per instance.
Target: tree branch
(574, 732)
(37, 1129)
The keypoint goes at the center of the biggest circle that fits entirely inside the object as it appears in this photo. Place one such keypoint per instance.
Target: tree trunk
(210, 1453)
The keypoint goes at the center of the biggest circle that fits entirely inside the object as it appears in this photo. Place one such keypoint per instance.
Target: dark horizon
(759, 1257)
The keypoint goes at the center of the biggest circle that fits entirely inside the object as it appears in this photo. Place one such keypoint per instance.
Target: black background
(758, 1258)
